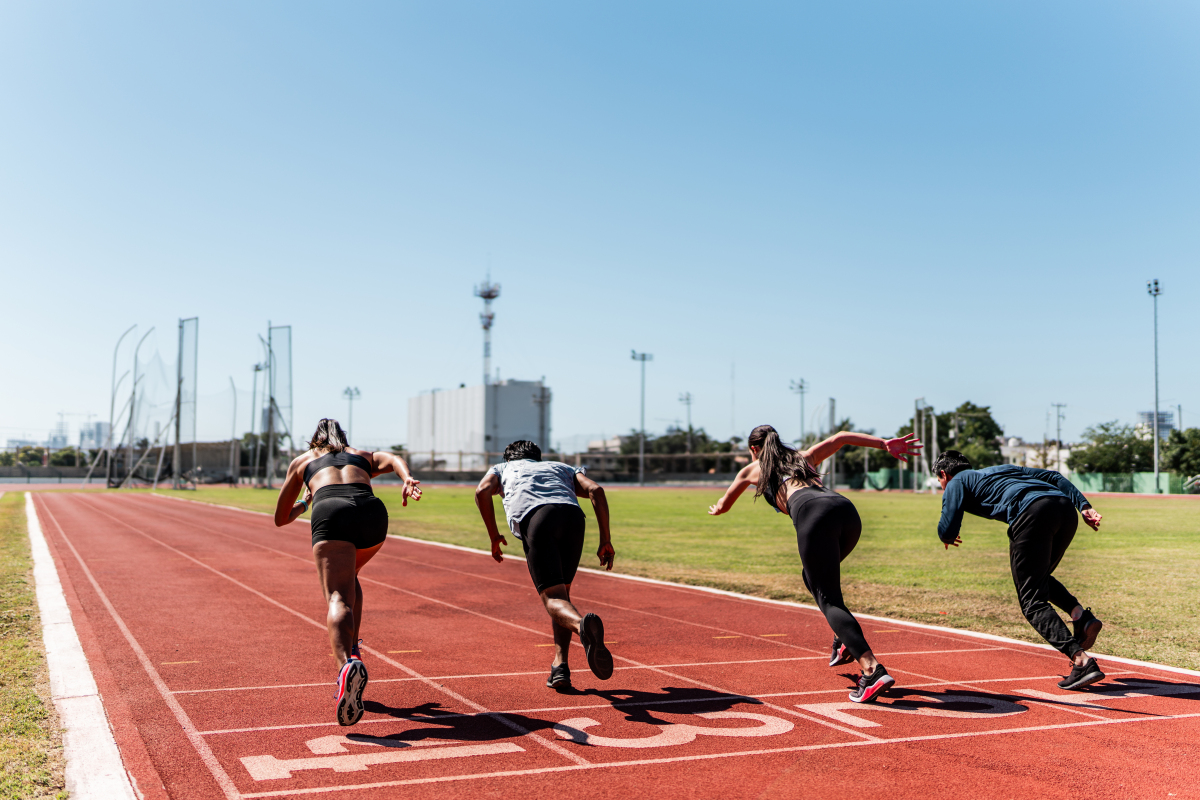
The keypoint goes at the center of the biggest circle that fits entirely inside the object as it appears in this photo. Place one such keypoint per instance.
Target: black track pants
(1037, 541)
(827, 529)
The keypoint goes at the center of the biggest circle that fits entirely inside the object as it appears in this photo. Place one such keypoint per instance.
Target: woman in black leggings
(827, 529)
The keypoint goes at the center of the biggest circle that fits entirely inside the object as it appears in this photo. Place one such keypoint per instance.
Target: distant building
(1037, 455)
(1166, 423)
(94, 436)
(17, 444)
(468, 428)
(612, 445)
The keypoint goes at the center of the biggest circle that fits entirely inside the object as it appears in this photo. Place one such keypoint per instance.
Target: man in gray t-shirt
(539, 502)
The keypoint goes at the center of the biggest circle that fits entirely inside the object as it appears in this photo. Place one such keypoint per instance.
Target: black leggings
(1037, 541)
(552, 536)
(827, 529)
(349, 512)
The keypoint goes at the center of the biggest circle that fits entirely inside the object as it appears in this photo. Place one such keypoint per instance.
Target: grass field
(1140, 574)
(31, 760)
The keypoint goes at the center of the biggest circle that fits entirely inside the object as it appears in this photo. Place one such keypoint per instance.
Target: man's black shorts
(552, 536)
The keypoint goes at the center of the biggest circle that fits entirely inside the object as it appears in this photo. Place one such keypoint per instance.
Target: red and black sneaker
(871, 686)
(841, 655)
(351, 683)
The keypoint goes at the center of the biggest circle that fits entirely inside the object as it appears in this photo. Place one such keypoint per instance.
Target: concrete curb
(94, 766)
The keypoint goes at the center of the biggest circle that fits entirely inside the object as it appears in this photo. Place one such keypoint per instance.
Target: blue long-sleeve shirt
(1001, 493)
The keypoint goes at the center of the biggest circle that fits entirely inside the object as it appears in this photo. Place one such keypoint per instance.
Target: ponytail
(328, 436)
(779, 463)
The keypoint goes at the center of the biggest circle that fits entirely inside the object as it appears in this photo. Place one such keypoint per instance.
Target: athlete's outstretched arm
(488, 488)
(382, 462)
(286, 507)
(747, 476)
(908, 445)
(586, 487)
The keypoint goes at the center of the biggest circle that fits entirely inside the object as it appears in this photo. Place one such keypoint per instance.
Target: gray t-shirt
(528, 484)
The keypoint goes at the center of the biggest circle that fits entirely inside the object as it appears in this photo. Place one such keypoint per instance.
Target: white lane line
(503, 720)
(202, 749)
(705, 757)
(543, 672)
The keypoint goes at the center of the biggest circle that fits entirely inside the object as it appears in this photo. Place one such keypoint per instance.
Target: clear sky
(961, 201)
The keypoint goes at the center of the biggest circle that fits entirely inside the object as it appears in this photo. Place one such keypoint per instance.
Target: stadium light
(1154, 291)
(351, 395)
(642, 357)
(800, 387)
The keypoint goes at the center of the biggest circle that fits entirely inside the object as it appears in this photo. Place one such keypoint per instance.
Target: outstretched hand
(957, 541)
(907, 445)
(715, 509)
(497, 553)
(1092, 517)
(606, 554)
(412, 488)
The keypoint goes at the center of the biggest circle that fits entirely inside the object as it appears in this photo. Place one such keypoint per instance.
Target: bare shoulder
(750, 472)
(364, 453)
(303, 458)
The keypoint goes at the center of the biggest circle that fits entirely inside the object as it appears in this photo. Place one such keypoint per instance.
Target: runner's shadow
(1122, 687)
(424, 710)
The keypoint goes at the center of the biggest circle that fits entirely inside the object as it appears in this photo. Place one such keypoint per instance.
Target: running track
(204, 628)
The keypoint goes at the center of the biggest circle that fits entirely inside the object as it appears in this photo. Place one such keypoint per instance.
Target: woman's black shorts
(552, 536)
(349, 512)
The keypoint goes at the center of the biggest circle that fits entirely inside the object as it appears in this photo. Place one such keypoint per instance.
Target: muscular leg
(564, 619)
(335, 567)
(361, 557)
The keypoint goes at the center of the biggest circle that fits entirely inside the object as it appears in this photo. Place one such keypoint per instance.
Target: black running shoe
(840, 654)
(1087, 628)
(1082, 676)
(591, 634)
(873, 685)
(351, 682)
(560, 677)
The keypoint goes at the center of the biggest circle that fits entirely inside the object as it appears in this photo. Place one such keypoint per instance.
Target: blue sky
(955, 201)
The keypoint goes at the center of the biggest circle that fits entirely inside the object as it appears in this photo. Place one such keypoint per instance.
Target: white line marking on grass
(107, 783)
(703, 757)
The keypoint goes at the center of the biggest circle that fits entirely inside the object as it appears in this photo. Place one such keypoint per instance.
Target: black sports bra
(342, 459)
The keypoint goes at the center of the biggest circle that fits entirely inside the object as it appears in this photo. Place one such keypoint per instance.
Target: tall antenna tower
(488, 291)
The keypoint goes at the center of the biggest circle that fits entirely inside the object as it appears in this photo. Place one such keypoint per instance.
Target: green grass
(1141, 573)
(30, 742)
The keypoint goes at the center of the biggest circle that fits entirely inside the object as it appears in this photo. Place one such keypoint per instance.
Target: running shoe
(873, 685)
(355, 650)
(591, 634)
(351, 682)
(1082, 675)
(560, 677)
(1087, 628)
(840, 654)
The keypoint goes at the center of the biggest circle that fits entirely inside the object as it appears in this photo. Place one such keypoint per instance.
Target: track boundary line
(710, 756)
(752, 598)
(94, 767)
(224, 782)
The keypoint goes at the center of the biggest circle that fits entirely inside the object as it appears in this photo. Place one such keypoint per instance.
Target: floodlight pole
(487, 292)
(351, 395)
(233, 448)
(1058, 411)
(1154, 291)
(800, 387)
(686, 399)
(642, 357)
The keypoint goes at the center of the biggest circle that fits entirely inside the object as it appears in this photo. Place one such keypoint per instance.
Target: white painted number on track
(992, 707)
(267, 768)
(670, 735)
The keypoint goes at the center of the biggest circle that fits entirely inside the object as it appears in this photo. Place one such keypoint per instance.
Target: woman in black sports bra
(827, 529)
(349, 525)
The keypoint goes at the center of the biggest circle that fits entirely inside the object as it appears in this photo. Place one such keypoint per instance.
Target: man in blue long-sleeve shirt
(1039, 507)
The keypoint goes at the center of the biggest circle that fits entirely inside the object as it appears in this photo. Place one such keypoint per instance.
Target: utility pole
(542, 401)
(686, 399)
(487, 291)
(234, 461)
(642, 357)
(255, 412)
(1154, 291)
(270, 392)
(800, 387)
(351, 395)
(832, 430)
(1059, 415)
(918, 429)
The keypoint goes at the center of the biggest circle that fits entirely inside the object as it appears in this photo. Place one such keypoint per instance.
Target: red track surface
(205, 629)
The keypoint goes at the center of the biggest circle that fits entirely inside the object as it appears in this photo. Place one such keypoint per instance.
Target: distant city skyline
(938, 200)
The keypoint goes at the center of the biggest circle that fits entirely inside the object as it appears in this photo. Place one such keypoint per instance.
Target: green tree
(68, 457)
(1182, 453)
(1112, 447)
(674, 441)
(8, 458)
(969, 429)
(32, 456)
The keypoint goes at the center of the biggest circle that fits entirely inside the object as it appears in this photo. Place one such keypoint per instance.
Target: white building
(456, 429)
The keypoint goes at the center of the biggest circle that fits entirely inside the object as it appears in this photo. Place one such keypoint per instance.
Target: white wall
(474, 419)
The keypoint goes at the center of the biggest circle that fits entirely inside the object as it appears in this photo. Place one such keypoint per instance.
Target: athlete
(827, 529)
(1039, 507)
(349, 525)
(539, 502)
